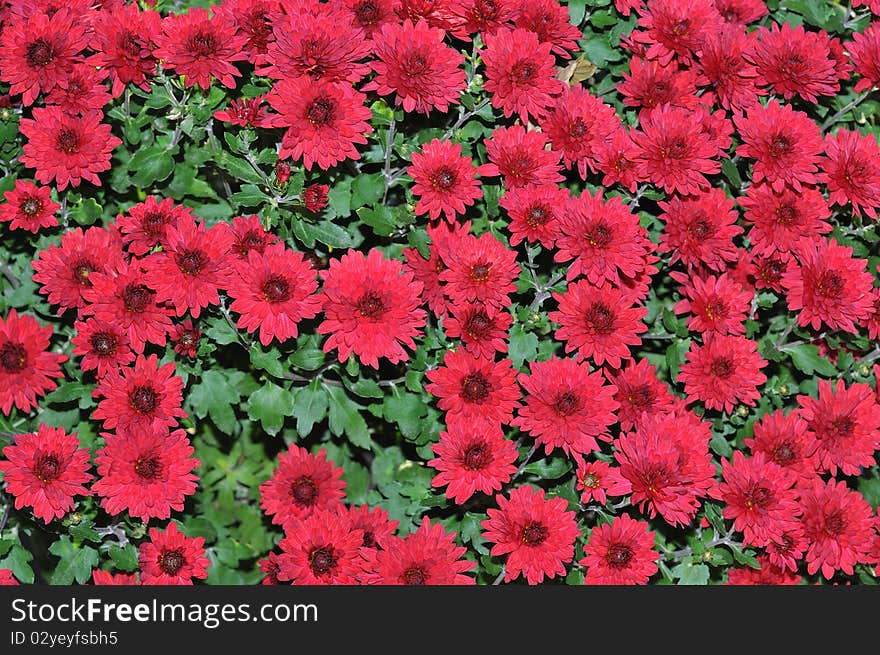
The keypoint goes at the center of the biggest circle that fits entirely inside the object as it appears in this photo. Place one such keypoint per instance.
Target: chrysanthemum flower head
(724, 371)
(28, 207)
(781, 220)
(172, 558)
(478, 269)
(620, 553)
(320, 549)
(445, 180)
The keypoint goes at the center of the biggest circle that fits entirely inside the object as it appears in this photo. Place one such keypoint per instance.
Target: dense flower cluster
(484, 333)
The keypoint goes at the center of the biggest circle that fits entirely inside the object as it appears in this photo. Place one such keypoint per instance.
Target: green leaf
(221, 332)
(307, 359)
(806, 358)
(268, 360)
(86, 212)
(345, 418)
(239, 168)
(125, 559)
(270, 405)
(309, 406)
(367, 189)
(523, 345)
(550, 468)
(76, 563)
(214, 396)
(689, 573)
(406, 410)
(17, 561)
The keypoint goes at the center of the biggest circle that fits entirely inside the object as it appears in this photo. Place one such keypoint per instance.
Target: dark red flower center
(171, 561)
(250, 240)
(47, 467)
(675, 149)
(534, 534)
(480, 271)
(31, 206)
(103, 344)
(537, 215)
(591, 480)
(322, 560)
(203, 43)
(577, 128)
(700, 228)
(567, 403)
(830, 284)
(477, 325)
(618, 555)
(191, 262)
(369, 540)
(641, 396)
(414, 576)
(276, 289)
(779, 146)
(654, 478)
(758, 496)
(681, 27)
(485, 10)
(321, 111)
(841, 427)
(371, 305)
(444, 179)
(13, 357)
(476, 457)
(771, 270)
(522, 72)
(785, 454)
(722, 367)
(131, 44)
(68, 140)
(136, 297)
(304, 491)
(415, 64)
(715, 308)
(39, 53)
(600, 318)
(835, 523)
(600, 235)
(475, 388)
(149, 467)
(81, 271)
(143, 399)
(366, 13)
(153, 223)
(786, 214)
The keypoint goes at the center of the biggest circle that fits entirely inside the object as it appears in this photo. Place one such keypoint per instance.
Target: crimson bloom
(172, 558)
(199, 47)
(29, 207)
(852, 167)
(566, 406)
(723, 65)
(616, 158)
(377, 528)
(479, 269)
(724, 371)
(7, 579)
(865, 53)
(26, 368)
(315, 197)
(521, 157)
(273, 291)
(45, 470)
(551, 22)
(82, 91)
(535, 212)
(145, 472)
(246, 112)
(67, 149)
(253, 20)
(123, 41)
(144, 397)
(412, 62)
(767, 574)
(598, 322)
(185, 338)
(482, 328)
(471, 460)
(445, 180)
(427, 270)
(247, 234)
(473, 391)
(535, 533)
(783, 440)
(649, 84)
(301, 484)
(675, 28)
(371, 308)
(718, 305)
(324, 120)
(782, 220)
(104, 346)
(620, 553)
(321, 548)
(598, 480)
(145, 224)
(640, 393)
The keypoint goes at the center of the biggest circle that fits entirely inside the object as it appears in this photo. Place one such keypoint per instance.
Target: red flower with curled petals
(534, 213)
(598, 480)
(649, 84)
(741, 12)
(445, 181)
(145, 224)
(82, 91)
(471, 460)
(320, 549)
(783, 440)
(478, 269)
(620, 553)
(123, 40)
(717, 305)
(172, 558)
(28, 207)
(852, 168)
(616, 158)
(724, 67)
(482, 328)
(865, 53)
(640, 393)
(676, 29)
(377, 528)
(782, 220)
(104, 346)
(253, 20)
(27, 369)
(551, 21)
(724, 371)
(521, 157)
(767, 574)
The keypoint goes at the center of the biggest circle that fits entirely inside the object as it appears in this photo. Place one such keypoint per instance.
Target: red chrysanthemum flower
(428, 270)
(724, 68)
(675, 151)
(246, 112)
(482, 328)
(852, 168)
(598, 480)
(741, 12)
(534, 213)
(145, 472)
(717, 305)
(273, 291)
(473, 391)
(172, 558)
(26, 368)
(838, 523)
(598, 322)
(767, 574)
(781, 220)
(830, 286)
(520, 73)
(368, 15)
(843, 427)
(65, 271)
(668, 464)
(566, 406)
(865, 54)
(324, 120)
(125, 300)
(445, 180)
(7, 579)
(270, 566)
(603, 237)
(301, 484)
(413, 63)
(783, 440)
(699, 230)
(787, 551)
(873, 320)
(483, 16)
(318, 42)
(315, 197)
(377, 528)
(786, 143)
(650, 84)
(200, 47)
(321, 549)
(82, 91)
(676, 28)
(578, 125)
(471, 460)
(123, 40)
(144, 225)
(253, 20)
(185, 337)
(106, 578)
(29, 207)
(104, 346)
(191, 268)
(724, 371)
(371, 308)
(67, 149)
(760, 498)
(551, 21)
(427, 556)
(768, 271)
(535, 533)
(640, 393)
(616, 159)
(794, 62)
(521, 157)
(45, 470)
(620, 553)
(247, 234)
(37, 52)
(479, 269)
